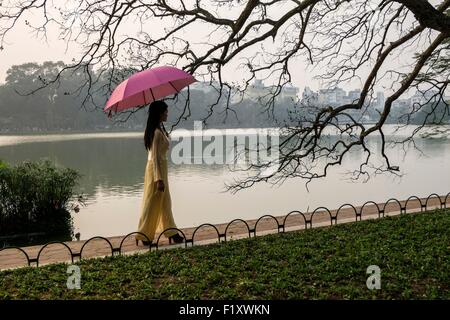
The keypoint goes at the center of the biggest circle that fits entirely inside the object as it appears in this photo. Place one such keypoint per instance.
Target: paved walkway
(58, 252)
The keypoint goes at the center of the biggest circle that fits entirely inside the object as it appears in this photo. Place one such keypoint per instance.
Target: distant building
(354, 95)
(332, 97)
(206, 86)
(429, 96)
(414, 102)
(402, 106)
(258, 91)
(289, 92)
(255, 92)
(380, 101)
(309, 97)
(338, 97)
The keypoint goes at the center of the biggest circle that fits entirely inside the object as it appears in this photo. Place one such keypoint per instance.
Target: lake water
(112, 165)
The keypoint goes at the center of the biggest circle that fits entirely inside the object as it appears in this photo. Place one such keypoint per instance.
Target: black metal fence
(222, 237)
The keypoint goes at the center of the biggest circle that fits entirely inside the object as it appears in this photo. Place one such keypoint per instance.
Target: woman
(156, 213)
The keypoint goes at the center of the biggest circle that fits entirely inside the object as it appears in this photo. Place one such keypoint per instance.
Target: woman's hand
(160, 185)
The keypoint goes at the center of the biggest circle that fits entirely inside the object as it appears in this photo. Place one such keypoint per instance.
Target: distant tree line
(62, 106)
(57, 107)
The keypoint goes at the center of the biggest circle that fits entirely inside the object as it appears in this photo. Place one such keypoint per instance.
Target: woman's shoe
(145, 243)
(176, 238)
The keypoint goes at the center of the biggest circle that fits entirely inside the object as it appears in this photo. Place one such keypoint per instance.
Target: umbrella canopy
(147, 86)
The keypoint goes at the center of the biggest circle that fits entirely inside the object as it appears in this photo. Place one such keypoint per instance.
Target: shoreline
(135, 130)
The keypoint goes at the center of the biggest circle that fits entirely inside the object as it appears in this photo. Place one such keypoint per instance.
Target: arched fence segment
(422, 205)
(307, 220)
(447, 197)
(237, 220)
(320, 210)
(132, 233)
(205, 225)
(279, 226)
(169, 229)
(380, 211)
(392, 200)
(113, 250)
(29, 261)
(292, 213)
(435, 195)
(350, 206)
(50, 243)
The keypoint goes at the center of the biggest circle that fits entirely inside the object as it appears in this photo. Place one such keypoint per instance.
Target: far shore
(141, 130)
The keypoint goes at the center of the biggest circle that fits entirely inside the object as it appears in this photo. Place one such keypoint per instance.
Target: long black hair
(156, 109)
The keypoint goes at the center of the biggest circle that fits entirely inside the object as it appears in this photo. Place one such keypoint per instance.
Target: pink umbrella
(147, 86)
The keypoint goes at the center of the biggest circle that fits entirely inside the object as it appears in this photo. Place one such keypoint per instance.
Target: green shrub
(2, 164)
(35, 197)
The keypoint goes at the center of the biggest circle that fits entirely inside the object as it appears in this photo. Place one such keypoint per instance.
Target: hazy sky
(24, 47)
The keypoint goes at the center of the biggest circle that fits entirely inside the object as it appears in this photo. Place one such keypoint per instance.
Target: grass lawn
(412, 251)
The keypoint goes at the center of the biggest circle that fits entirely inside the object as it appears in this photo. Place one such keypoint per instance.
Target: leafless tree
(341, 40)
